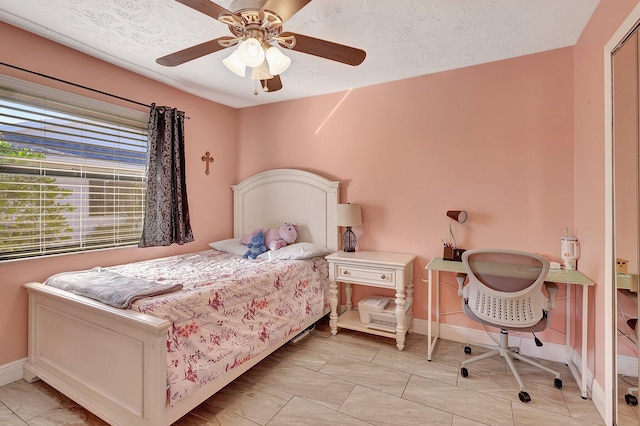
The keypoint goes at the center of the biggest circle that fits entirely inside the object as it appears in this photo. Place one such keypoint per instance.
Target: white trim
(598, 397)
(550, 351)
(627, 365)
(610, 382)
(11, 372)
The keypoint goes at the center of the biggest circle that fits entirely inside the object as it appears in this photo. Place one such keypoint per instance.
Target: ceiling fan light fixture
(235, 64)
(278, 61)
(251, 52)
(257, 31)
(261, 72)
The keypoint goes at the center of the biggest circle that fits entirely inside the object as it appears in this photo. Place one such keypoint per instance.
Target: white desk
(562, 276)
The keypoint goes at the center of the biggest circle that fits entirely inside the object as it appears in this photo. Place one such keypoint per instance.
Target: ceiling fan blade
(210, 9)
(285, 8)
(326, 49)
(193, 52)
(272, 84)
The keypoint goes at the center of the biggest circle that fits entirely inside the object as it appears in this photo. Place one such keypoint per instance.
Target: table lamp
(349, 215)
(459, 216)
(451, 251)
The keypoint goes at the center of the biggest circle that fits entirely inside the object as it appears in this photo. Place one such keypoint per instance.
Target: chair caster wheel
(631, 399)
(524, 396)
(464, 372)
(467, 350)
(557, 383)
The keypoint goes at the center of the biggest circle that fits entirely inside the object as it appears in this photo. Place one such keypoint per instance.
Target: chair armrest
(552, 289)
(460, 278)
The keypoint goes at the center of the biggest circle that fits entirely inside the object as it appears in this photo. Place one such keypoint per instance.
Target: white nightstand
(374, 269)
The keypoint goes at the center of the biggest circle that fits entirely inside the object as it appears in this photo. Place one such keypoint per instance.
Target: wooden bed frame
(113, 361)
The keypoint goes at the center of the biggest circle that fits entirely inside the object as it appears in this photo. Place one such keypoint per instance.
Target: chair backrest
(505, 286)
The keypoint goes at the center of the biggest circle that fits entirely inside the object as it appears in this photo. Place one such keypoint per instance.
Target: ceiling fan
(255, 26)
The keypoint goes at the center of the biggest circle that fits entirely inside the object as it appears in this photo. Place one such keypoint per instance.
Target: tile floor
(352, 379)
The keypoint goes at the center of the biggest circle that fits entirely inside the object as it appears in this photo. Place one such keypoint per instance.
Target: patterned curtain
(166, 218)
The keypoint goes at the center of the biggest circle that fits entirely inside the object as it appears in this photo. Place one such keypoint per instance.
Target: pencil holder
(452, 253)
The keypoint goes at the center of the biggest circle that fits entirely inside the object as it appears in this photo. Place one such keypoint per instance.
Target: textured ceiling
(402, 38)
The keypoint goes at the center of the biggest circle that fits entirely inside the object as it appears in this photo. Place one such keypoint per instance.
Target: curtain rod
(75, 84)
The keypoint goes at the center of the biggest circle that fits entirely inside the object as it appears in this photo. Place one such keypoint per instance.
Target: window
(72, 172)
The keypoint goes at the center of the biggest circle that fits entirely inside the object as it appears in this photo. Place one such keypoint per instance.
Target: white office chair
(504, 290)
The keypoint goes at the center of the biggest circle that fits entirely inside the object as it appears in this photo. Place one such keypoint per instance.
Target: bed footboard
(110, 361)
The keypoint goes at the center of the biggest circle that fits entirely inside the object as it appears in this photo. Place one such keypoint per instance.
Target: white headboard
(271, 198)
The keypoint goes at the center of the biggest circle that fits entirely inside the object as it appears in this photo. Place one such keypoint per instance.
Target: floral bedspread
(229, 310)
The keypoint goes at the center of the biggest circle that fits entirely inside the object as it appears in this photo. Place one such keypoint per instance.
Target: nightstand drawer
(377, 276)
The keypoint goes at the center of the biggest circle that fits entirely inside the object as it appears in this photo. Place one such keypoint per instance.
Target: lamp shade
(349, 215)
(457, 215)
(234, 63)
(278, 61)
(261, 72)
(251, 52)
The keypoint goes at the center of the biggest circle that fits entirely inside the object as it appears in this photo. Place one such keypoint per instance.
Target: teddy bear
(256, 246)
(274, 238)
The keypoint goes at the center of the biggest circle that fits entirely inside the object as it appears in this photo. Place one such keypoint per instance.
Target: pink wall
(495, 140)
(212, 127)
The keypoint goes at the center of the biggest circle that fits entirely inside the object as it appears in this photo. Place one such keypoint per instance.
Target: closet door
(626, 218)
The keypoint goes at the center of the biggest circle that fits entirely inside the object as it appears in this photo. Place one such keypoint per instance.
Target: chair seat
(539, 326)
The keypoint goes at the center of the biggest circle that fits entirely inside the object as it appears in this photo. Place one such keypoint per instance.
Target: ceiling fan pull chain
(255, 90)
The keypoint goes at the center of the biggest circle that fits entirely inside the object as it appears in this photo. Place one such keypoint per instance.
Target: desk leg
(567, 335)
(437, 308)
(585, 321)
(579, 376)
(333, 302)
(430, 280)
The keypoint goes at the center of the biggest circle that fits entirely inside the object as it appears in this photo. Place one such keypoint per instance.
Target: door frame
(610, 381)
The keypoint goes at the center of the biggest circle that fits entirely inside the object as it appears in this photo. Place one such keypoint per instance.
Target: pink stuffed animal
(275, 238)
(278, 238)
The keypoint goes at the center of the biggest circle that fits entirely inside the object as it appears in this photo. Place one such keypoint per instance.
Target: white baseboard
(550, 351)
(11, 372)
(598, 399)
(627, 365)
(14, 371)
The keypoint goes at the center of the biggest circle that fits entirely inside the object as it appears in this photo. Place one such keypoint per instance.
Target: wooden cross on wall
(207, 158)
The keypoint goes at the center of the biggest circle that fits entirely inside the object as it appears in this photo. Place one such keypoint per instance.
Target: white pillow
(233, 246)
(296, 251)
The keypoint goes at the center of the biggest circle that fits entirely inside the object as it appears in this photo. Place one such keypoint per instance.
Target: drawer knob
(383, 277)
(345, 273)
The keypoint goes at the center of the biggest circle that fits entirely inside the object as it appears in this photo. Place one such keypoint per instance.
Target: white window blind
(72, 172)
